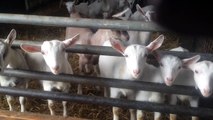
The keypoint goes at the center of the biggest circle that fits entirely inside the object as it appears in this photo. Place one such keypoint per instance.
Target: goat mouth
(206, 94)
(136, 76)
(168, 83)
(55, 72)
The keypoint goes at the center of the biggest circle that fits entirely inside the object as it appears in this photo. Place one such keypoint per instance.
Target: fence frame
(108, 24)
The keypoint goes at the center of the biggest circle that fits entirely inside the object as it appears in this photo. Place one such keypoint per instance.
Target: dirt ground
(27, 32)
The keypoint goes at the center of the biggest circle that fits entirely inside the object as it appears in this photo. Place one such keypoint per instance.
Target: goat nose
(56, 68)
(169, 79)
(136, 71)
(206, 91)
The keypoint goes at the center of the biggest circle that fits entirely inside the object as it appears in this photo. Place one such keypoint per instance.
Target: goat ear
(190, 61)
(11, 37)
(117, 45)
(155, 44)
(120, 14)
(30, 48)
(71, 41)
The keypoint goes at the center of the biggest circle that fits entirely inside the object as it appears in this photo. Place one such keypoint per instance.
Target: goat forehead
(205, 66)
(136, 49)
(171, 60)
(52, 45)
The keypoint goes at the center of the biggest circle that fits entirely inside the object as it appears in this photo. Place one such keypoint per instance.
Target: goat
(173, 72)
(203, 72)
(12, 58)
(131, 66)
(54, 60)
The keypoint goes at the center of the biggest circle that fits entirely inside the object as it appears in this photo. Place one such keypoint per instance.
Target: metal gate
(137, 85)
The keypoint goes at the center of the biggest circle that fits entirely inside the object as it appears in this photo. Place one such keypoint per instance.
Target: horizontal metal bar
(83, 22)
(102, 50)
(204, 56)
(96, 100)
(108, 82)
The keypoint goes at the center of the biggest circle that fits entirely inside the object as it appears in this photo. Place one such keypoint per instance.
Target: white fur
(102, 35)
(131, 66)
(13, 59)
(181, 49)
(51, 56)
(203, 76)
(173, 72)
(150, 74)
(171, 65)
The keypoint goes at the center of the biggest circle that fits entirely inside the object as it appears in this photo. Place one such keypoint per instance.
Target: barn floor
(27, 32)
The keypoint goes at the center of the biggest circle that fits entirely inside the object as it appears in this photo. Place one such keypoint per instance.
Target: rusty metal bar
(83, 22)
(96, 100)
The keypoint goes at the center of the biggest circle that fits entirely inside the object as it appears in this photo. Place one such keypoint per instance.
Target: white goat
(173, 72)
(54, 60)
(12, 58)
(131, 66)
(203, 76)
(136, 37)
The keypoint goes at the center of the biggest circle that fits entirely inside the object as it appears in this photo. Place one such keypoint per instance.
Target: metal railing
(137, 85)
(108, 82)
(83, 22)
(164, 108)
(103, 50)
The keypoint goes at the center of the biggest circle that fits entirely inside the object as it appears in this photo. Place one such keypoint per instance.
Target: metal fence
(137, 85)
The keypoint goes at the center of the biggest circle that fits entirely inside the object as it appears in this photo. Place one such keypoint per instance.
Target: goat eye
(179, 67)
(161, 64)
(196, 72)
(146, 55)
